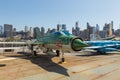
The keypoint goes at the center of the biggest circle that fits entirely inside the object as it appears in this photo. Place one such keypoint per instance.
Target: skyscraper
(31, 32)
(76, 24)
(90, 30)
(97, 29)
(59, 27)
(1, 30)
(64, 27)
(34, 31)
(8, 30)
(14, 31)
(48, 31)
(77, 27)
(73, 31)
(112, 27)
(112, 24)
(88, 25)
(26, 29)
(108, 29)
(42, 31)
(76, 30)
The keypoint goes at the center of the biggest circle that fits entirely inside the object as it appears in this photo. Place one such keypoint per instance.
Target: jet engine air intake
(77, 44)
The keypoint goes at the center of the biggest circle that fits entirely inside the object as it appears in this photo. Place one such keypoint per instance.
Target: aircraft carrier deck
(79, 66)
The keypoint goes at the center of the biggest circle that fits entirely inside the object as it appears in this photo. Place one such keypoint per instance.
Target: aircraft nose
(77, 44)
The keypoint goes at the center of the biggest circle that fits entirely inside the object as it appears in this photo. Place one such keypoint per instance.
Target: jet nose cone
(77, 44)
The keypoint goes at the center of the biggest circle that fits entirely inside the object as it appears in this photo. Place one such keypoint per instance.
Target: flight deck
(79, 66)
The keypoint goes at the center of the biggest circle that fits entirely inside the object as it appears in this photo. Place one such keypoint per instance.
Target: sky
(49, 13)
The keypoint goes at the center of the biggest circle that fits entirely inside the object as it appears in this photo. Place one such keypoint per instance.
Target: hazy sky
(49, 13)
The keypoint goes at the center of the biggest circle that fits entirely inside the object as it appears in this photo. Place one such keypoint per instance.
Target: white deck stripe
(7, 59)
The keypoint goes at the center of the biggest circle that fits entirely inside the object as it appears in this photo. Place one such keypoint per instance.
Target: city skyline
(90, 33)
(25, 27)
(49, 13)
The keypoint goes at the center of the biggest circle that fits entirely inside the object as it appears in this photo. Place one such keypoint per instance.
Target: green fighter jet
(61, 41)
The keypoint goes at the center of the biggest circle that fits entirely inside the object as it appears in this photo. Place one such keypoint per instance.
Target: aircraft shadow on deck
(45, 61)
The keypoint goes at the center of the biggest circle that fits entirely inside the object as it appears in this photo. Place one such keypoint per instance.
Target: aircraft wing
(105, 48)
(94, 47)
(112, 46)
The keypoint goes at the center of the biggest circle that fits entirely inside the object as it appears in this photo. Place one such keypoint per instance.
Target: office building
(1, 30)
(14, 31)
(26, 29)
(8, 30)
(64, 27)
(108, 29)
(90, 30)
(76, 30)
(31, 32)
(34, 32)
(42, 31)
(59, 27)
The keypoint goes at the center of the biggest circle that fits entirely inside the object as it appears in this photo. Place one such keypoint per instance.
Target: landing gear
(34, 53)
(62, 55)
(101, 53)
(62, 58)
(58, 53)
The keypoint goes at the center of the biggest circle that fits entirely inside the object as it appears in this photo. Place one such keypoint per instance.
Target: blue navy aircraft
(103, 47)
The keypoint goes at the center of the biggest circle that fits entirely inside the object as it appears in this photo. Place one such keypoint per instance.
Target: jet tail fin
(37, 33)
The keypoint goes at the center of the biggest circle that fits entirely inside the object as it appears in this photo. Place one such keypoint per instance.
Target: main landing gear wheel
(101, 53)
(62, 59)
(58, 53)
(34, 53)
